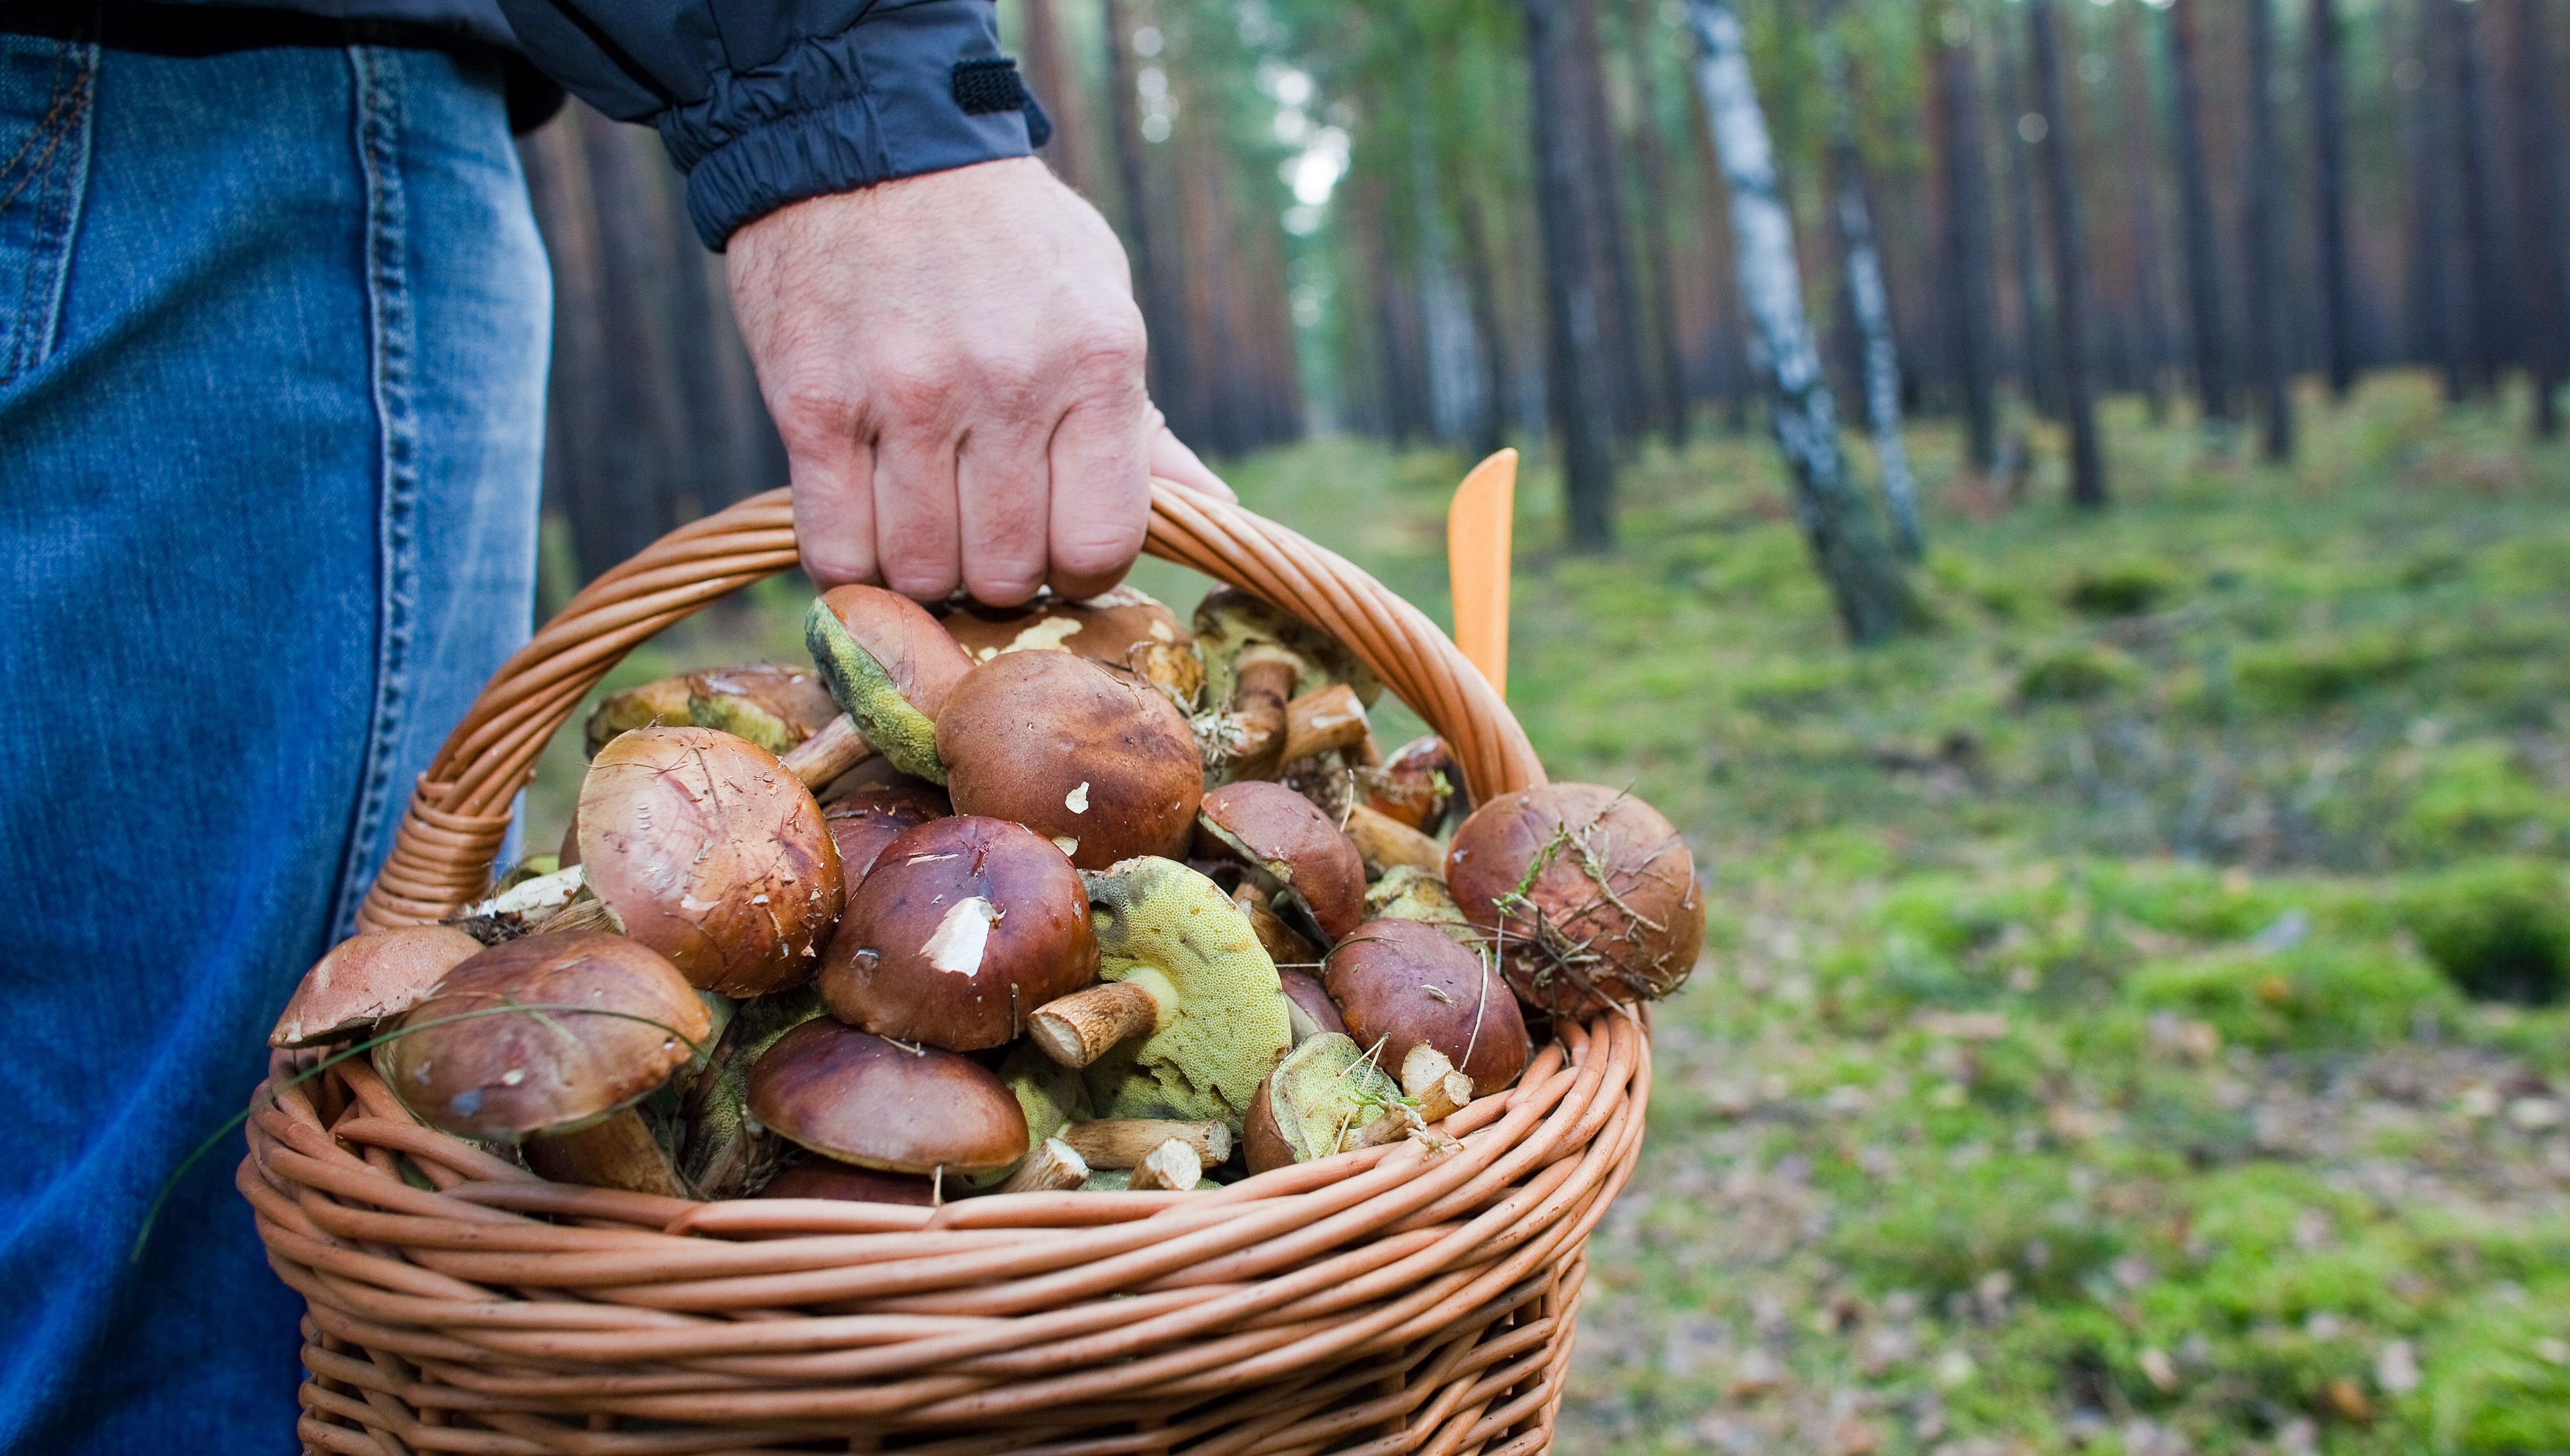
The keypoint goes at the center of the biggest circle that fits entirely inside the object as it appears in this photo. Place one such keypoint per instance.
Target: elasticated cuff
(876, 102)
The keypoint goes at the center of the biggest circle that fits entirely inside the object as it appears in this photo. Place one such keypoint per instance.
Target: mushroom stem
(1052, 1168)
(617, 1153)
(1430, 1080)
(824, 756)
(1079, 1029)
(1258, 701)
(1172, 1166)
(1390, 1126)
(1322, 719)
(1387, 844)
(1124, 1142)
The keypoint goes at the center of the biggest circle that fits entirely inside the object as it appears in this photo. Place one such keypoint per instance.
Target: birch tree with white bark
(1865, 577)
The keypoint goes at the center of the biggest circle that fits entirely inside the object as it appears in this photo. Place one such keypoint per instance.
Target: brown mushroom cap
(965, 926)
(712, 855)
(853, 1096)
(773, 706)
(1414, 784)
(1283, 835)
(606, 1022)
(817, 1177)
(365, 979)
(1122, 628)
(864, 820)
(922, 661)
(1400, 983)
(659, 703)
(1593, 891)
(1305, 990)
(1098, 762)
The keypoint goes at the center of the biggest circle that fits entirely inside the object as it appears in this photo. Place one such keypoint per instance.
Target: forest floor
(2081, 1057)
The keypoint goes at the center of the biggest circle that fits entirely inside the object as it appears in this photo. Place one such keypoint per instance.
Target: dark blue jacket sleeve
(765, 102)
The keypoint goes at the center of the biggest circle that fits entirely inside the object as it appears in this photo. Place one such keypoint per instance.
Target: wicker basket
(1394, 1300)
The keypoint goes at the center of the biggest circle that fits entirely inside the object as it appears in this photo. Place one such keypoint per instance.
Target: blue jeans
(272, 339)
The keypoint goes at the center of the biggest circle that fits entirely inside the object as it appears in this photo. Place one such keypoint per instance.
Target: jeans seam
(392, 348)
(59, 198)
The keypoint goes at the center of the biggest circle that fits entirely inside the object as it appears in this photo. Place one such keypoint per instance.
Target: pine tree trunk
(2538, 213)
(643, 448)
(1500, 390)
(1576, 361)
(2142, 187)
(1869, 301)
(2069, 260)
(2195, 200)
(2436, 300)
(2040, 390)
(2270, 298)
(1154, 274)
(1611, 238)
(2484, 246)
(1972, 326)
(1056, 81)
(1660, 252)
(2328, 202)
(1846, 539)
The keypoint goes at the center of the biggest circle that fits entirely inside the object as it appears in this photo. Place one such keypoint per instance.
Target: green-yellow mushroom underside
(905, 736)
(1223, 1023)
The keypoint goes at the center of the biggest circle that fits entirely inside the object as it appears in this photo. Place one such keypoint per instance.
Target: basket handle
(459, 813)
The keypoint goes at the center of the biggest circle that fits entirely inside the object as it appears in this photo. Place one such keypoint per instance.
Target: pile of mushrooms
(1064, 897)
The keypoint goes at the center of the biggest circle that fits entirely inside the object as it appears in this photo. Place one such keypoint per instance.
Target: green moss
(2073, 674)
(2129, 589)
(2309, 997)
(2500, 928)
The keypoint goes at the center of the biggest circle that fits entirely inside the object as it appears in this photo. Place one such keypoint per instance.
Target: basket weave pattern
(1396, 1299)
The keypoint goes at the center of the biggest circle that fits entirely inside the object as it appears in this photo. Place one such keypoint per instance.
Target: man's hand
(955, 363)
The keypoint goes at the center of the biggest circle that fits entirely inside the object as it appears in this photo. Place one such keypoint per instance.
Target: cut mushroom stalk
(1124, 1142)
(822, 758)
(1053, 1166)
(1389, 843)
(1326, 719)
(1172, 1166)
(1079, 1029)
(1260, 723)
(1430, 1081)
(619, 1152)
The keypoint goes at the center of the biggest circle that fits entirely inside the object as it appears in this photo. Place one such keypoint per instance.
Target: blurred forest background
(2133, 1020)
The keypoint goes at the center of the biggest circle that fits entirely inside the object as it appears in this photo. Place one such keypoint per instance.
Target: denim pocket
(47, 91)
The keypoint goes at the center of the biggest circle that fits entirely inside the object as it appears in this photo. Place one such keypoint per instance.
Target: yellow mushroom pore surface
(1178, 934)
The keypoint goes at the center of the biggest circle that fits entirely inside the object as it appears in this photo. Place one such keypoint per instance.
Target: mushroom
(1327, 1096)
(1283, 944)
(367, 979)
(658, 704)
(1052, 1168)
(710, 853)
(1053, 1097)
(1591, 892)
(1098, 762)
(774, 707)
(1230, 621)
(725, 1153)
(1296, 853)
(1387, 844)
(1307, 1007)
(862, 821)
(1172, 1166)
(1432, 1084)
(1325, 720)
(1410, 892)
(1124, 1142)
(535, 902)
(813, 1176)
(1191, 1015)
(1248, 740)
(1124, 628)
(1403, 983)
(855, 1097)
(552, 1038)
(891, 667)
(964, 926)
(1415, 785)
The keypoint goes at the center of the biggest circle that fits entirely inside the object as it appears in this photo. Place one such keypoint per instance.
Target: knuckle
(912, 394)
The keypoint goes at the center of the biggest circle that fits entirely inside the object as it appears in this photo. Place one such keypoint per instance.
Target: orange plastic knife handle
(1479, 528)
